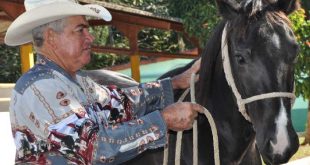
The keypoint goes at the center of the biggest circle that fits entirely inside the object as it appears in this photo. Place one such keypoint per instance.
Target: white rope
(178, 147)
(179, 137)
(195, 133)
(268, 95)
(195, 128)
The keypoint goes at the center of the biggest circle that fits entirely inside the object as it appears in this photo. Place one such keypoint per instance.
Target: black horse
(262, 50)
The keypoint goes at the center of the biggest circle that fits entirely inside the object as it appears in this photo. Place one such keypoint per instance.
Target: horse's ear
(287, 6)
(251, 7)
(228, 8)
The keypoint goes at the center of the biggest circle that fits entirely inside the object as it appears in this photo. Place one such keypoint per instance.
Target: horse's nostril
(273, 158)
(281, 159)
(285, 156)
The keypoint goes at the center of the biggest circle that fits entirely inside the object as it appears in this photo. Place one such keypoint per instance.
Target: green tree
(10, 68)
(306, 5)
(199, 16)
(107, 36)
(301, 27)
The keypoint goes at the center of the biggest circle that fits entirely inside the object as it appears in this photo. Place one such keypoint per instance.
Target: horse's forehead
(271, 36)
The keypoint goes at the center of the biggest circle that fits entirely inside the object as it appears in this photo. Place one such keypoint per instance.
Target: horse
(261, 49)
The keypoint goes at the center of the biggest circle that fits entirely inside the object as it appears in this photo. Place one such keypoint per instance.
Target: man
(59, 115)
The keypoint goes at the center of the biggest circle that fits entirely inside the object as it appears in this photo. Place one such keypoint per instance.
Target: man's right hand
(181, 115)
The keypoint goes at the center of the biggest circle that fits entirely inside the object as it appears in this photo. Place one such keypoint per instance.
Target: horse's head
(262, 50)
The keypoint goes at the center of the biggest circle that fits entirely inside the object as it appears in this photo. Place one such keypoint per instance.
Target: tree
(306, 5)
(10, 68)
(150, 39)
(301, 27)
(109, 36)
(199, 16)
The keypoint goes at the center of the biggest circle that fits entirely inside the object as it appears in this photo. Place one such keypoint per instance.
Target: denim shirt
(58, 119)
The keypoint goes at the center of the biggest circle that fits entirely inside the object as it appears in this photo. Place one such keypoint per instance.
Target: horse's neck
(235, 133)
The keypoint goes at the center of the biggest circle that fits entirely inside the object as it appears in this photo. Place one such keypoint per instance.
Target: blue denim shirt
(59, 119)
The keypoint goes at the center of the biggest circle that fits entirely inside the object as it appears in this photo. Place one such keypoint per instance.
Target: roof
(130, 10)
(10, 9)
(4, 24)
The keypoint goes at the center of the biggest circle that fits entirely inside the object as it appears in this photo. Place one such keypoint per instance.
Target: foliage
(10, 68)
(102, 60)
(301, 28)
(107, 36)
(200, 16)
(154, 6)
(306, 5)
(151, 39)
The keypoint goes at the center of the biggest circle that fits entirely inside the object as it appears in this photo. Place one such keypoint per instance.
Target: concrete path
(303, 161)
(7, 146)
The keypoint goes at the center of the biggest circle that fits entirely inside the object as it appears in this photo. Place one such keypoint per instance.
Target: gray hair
(37, 33)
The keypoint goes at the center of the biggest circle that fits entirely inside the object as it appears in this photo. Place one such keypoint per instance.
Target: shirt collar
(52, 65)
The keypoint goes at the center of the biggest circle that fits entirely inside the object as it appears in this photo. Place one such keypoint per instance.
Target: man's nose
(89, 36)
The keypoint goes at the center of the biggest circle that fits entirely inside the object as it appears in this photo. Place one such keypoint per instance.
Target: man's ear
(50, 36)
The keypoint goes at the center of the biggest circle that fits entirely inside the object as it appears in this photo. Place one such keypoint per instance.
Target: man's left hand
(182, 81)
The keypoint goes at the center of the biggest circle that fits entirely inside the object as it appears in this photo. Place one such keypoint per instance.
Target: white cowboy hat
(40, 12)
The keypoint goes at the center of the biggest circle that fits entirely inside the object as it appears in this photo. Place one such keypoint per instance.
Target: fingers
(196, 66)
(197, 108)
(182, 81)
(181, 115)
(196, 78)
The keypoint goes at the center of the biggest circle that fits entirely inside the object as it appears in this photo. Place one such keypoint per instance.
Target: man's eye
(80, 30)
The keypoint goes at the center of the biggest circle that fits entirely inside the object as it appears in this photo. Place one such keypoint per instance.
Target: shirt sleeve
(145, 128)
(151, 96)
(123, 141)
(50, 118)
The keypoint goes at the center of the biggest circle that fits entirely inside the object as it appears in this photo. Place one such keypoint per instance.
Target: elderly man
(59, 115)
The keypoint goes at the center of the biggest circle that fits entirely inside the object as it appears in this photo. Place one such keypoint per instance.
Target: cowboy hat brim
(20, 31)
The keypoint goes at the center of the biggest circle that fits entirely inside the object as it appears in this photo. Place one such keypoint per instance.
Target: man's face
(74, 44)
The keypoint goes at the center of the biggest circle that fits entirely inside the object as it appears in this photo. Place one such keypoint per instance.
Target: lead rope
(195, 133)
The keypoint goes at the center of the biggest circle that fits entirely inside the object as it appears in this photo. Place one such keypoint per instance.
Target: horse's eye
(241, 55)
(240, 59)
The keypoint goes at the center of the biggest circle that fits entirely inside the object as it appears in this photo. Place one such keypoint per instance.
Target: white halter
(231, 82)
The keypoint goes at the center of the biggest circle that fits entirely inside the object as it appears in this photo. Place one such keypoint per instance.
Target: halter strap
(231, 82)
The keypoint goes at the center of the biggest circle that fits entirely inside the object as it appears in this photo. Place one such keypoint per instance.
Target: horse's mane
(207, 67)
(208, 61)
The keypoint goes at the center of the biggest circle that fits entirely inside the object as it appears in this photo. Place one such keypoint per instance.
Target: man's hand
(181, 115)
(182, 81)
